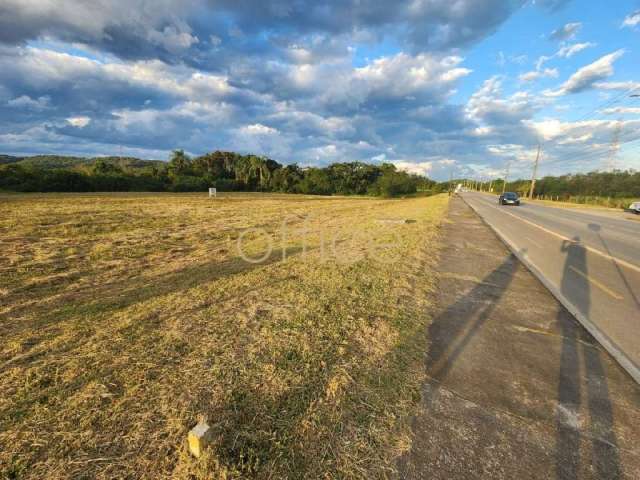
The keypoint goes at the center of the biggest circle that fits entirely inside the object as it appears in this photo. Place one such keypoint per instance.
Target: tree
(179, 164)
(393, 184)
(104, 167)
(287, 179)
(353, 178)
(316, 181)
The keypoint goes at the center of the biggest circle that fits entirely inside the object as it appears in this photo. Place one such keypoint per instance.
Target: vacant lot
(126, 318)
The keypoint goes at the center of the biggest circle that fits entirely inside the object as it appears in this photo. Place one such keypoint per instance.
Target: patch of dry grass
(124, 318)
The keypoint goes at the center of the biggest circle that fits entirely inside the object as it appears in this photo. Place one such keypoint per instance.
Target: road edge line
(623, 360)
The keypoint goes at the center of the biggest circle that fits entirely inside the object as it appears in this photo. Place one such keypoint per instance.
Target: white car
(635, 207)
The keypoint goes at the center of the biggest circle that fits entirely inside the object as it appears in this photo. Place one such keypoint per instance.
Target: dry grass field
(125, 318)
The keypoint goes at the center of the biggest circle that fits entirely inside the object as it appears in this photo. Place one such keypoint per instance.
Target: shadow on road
(452, 330)
(578, 355)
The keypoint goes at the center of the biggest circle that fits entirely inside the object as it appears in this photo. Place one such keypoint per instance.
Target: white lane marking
(619, 261)
(607, 290)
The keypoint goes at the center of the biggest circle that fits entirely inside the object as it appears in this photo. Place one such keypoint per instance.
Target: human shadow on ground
(452, 330)
(580, 364)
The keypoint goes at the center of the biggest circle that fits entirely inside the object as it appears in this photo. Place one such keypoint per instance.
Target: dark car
(509, 198)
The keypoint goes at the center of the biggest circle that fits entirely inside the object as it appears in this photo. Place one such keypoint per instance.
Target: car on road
(509, 198)
(635, 208)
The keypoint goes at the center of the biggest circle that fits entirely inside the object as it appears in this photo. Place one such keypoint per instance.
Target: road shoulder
(516, 387)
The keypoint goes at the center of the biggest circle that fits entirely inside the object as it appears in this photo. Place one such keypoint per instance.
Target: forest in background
(229, 171)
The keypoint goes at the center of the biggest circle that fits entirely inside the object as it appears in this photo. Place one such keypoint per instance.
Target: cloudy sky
(433, 86)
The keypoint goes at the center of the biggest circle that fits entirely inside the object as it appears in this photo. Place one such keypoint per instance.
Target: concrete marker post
(199, 438)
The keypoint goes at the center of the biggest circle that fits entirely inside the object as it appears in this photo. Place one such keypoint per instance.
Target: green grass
(125, 318)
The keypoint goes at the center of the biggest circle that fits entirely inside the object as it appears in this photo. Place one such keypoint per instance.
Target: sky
(436, 87)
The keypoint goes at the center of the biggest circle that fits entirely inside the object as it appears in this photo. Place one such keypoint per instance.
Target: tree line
(227, 171)
(612, 184)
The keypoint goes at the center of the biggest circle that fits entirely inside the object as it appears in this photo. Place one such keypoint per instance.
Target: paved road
(514, 387)
(589, 260)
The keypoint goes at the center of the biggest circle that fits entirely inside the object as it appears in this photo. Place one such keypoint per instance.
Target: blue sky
(433, 86)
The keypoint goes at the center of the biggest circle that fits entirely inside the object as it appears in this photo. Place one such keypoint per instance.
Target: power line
(589, 155)
(607, 104)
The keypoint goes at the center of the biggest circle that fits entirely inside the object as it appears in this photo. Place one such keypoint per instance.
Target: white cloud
(517, 59)
(632, 20)
(566, 51)
(566, 32)
(79, 122)
(537, 74)
(488, 105)
(519, 153)
(426, 79)
(570, 50)
(579, 140)
(621, 110)
(174, 38)
(617, 85)
(419, 168)
(28, 103)
(43, 68)
(572, 132)
(587, 76)
(403, 74)
(258, 129)
(483, 131)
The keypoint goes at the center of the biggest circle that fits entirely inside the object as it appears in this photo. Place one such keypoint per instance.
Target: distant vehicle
(509, 198)
(635, 208)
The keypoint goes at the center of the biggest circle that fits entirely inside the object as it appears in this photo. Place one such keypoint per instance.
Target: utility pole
(535, 173)
(506, 176)
(491, 185)
(450, 181)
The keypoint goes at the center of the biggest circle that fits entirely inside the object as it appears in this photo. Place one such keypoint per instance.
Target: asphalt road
(514, 387)
(589, 260)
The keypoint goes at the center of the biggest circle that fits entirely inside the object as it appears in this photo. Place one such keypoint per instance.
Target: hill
(49, 162)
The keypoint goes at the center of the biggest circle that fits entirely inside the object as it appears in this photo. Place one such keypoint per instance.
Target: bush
(316, 182)
(64, 181)
(394, 184)
(227, 185)
(188, 183)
